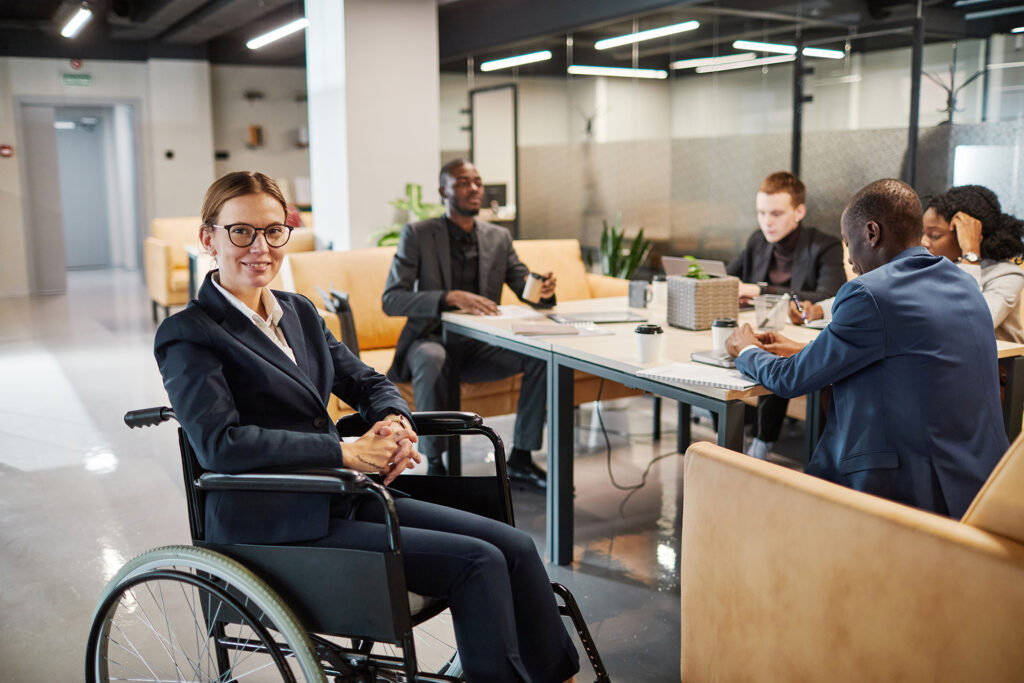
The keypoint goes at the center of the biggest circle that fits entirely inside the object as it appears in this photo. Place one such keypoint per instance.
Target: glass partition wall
(678, 140)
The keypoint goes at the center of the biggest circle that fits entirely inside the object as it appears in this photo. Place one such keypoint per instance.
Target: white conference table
(614, 357)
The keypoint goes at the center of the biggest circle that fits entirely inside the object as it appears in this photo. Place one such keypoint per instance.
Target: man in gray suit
(458, 263)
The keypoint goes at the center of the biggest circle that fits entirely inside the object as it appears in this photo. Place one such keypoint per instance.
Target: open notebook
(702, 375)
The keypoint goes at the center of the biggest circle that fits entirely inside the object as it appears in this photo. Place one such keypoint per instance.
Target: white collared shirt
(271, 326)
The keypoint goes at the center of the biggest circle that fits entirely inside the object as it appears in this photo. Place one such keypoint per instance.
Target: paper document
(515, 312)
(699, 374)
(542, 329)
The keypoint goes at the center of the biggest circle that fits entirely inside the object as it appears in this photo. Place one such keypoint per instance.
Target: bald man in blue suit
(911, 357)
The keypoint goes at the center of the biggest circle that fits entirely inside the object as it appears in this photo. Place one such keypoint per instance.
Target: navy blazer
(817, 264)
(911, 357)
(246, 406)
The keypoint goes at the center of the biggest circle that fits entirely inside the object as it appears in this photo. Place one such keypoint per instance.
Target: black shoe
(436, 468)
(528, 476)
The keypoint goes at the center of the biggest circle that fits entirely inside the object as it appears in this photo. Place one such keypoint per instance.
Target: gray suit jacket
(421, 275)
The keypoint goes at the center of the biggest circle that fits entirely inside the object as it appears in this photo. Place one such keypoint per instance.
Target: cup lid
(724, 322)
(658, 278)
(649, 328)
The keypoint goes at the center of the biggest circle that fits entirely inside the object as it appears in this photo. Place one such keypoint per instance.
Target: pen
(799, 308)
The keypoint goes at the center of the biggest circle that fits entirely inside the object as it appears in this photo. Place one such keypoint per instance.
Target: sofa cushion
(999, 505)
(563, 258)
(362, 273)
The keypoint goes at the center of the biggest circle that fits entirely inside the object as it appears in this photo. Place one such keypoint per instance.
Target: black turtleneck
(780, 270)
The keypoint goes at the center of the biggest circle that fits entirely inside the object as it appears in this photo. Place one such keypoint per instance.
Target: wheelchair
(247, 612)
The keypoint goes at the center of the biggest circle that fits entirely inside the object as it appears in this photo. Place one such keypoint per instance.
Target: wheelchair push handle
(148, 417)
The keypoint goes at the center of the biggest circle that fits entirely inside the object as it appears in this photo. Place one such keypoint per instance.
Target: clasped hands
(387, 448)
(772, 342)
(469, 302)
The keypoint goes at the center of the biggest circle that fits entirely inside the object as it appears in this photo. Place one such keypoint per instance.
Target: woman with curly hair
(966, 225)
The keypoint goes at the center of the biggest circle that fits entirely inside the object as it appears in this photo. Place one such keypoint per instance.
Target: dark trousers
(771, 413)
(430, 365)
(506, 620)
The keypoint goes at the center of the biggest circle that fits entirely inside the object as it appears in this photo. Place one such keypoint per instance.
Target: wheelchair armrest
(316, 480)
(428, 423)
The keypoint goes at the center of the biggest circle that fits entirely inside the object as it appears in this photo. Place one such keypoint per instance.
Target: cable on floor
(608, 457)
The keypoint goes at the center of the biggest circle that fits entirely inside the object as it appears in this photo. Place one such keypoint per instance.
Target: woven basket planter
(693, 304)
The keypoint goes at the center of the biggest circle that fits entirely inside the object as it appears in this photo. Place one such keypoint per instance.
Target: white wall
(173, 100)
(281, 112)
(180, 120)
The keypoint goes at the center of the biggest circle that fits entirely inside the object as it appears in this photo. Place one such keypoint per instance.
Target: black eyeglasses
(243, 234)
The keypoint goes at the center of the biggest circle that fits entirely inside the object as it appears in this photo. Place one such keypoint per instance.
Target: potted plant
(697, 299)
(415, 210)
(616, 260)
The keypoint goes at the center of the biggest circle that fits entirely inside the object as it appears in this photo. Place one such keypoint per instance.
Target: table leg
(560, 463)
(730, 426)
(1013, 399)
(656, 427)
(683, 424)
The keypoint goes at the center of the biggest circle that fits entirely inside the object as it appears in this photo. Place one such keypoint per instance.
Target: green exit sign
(76, 79)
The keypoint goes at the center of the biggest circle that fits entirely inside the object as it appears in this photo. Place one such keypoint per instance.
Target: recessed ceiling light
(277, 33)
(646, 35)
(507, 62)
(617, 71)
(710, 61)
(76, 22)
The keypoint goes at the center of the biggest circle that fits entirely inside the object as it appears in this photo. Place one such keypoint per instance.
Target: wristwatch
(969, 257)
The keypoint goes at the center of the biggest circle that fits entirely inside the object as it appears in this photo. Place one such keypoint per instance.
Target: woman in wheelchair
(249, 373)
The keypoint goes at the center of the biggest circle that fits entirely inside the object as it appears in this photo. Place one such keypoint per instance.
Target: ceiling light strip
(616, 71)
(1017, 9)
(711, 61)
(649, 34)
(507, 62)
(823, 53)
(761, 61)
(764, 47)
(277, 34)
(1018, 29)
(75, 23)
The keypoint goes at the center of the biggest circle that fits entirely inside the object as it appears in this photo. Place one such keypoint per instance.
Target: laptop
(675, 265)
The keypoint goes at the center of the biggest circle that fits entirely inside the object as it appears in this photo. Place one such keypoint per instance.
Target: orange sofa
(786, 577)
(362, 273)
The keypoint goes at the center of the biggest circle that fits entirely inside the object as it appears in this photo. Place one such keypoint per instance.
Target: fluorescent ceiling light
(823, 53)
(1006, 65)
(277, 34)
(764, 47)
(711, 61)
(646, 35)
(993, 12)
(75, 23)
(64, 125)
(1019, 29)
(788, 49)
(516, 61)
(580, 70)
(778, 59)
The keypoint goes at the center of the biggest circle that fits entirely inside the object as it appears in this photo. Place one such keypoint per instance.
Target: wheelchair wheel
(188, 614)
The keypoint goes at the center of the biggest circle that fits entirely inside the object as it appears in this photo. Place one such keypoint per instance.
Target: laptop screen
(675, 265)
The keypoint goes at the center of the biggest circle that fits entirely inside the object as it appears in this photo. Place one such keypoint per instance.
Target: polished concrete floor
(80, 493)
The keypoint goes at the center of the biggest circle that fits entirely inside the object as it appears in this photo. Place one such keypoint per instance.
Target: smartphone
(722, 360)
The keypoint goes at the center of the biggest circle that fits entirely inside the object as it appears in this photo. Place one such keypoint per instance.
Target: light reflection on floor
(80, 493)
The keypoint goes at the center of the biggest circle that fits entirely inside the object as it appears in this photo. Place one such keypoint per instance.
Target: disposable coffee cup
(721, 328)
(531, 292)
(659, 294)
(648, 342)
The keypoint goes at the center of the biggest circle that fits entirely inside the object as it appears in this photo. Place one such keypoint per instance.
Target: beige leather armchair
(786, 577)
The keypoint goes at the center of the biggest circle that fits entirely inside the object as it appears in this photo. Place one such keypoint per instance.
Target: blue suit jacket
(246, 406)
(911, 357)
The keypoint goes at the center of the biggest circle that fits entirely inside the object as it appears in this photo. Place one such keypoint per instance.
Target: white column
(374, 111)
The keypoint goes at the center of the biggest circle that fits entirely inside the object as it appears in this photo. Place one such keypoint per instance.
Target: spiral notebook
(701, 375)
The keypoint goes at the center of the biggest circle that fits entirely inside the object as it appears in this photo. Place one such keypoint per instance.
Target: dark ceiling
(217, 30)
